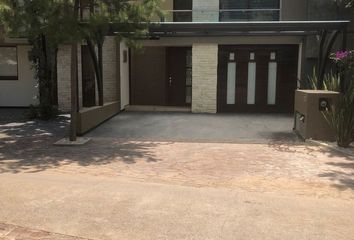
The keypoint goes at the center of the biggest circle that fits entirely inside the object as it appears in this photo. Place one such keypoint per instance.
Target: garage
(257, 78)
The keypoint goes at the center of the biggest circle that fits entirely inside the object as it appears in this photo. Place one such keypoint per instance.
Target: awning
(184, 29)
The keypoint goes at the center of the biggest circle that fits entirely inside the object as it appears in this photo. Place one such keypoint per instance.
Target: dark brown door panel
(287, 62)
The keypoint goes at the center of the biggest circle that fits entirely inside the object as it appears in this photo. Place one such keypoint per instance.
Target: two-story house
(204, 56)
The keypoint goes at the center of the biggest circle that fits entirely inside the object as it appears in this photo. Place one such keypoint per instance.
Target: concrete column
(110, 76)
(205, 11)
(205, 71)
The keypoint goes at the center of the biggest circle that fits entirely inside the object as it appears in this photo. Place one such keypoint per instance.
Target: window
(249, 10)
(182, 10)
(272, 79)
(251, 85)
(8, 63)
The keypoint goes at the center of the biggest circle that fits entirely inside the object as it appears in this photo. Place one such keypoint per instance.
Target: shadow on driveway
(131, 138)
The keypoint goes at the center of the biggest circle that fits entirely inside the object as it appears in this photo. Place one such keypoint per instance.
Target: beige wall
(21, 92)
(205, 78)
(110, 74)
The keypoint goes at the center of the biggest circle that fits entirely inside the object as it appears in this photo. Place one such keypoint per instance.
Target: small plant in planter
(341, 116)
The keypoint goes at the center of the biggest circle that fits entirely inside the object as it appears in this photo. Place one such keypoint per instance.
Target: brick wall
(110, 74)
(110, 77)
(205, 62)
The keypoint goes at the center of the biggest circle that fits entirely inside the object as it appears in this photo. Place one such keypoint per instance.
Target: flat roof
(245, 28)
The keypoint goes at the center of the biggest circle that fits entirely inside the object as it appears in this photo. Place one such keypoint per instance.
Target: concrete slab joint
(205, 61)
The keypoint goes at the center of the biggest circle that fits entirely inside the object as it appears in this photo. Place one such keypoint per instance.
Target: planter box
(89, 118)
(309, 120)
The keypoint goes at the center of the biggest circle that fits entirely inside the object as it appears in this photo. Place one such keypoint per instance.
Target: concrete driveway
(120, 187)
(250, 128)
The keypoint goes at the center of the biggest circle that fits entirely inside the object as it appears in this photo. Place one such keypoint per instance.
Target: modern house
(212, 56)
(203, 56)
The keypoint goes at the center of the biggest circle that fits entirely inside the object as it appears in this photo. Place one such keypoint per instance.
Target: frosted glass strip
(251, 87)
(231, 83)
(272, 83)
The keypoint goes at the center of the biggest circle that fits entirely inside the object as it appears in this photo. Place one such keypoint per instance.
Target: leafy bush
(331, 81)
(32, 112)
(42, 111)
(341, 118)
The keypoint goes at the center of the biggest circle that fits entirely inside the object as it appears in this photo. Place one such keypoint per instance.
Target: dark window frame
(10, 78)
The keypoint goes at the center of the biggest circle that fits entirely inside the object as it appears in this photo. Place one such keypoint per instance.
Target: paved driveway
(251, 128)
(129, 184)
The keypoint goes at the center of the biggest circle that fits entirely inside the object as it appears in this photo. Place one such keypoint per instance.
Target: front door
(88, 79)
(257, 78)
(179, 78)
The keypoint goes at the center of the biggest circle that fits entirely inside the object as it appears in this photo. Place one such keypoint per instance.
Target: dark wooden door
(274, 71)
(176, 76)
(88, 78)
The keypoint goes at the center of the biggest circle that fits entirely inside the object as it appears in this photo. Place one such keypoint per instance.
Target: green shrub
(42, 111)
(341, 118)
(32, 112)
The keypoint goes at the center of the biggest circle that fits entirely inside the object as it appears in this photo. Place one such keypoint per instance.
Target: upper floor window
(8, 63)
(182, 10)
(249, 10)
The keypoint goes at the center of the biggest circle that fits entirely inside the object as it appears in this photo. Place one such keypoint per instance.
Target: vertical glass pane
(189, 77)
(189, 95)
(231, 83)
(272, 83)
(272, 56)
(251, 89)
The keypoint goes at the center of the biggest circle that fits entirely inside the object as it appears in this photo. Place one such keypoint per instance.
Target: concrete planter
(309, 120)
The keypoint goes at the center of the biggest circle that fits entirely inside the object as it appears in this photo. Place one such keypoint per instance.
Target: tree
(48, 23)
(42, 23)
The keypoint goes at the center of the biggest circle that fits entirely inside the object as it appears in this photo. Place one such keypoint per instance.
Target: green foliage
(341, 118)
(42, 111)
(331, 81)
(48, 23)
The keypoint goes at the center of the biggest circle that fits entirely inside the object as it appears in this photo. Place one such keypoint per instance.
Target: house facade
(204, 56)
(18, 87)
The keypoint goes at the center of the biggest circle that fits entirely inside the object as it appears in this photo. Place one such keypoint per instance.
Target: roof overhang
(293, 28)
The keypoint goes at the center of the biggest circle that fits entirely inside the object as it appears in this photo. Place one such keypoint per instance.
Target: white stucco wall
(124, 77)
(21, 92)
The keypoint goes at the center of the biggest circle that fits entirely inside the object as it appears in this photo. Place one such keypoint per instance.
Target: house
(209, 56)
(17, 82)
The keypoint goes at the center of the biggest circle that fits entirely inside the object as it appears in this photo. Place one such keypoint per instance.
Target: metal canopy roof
(172, 29)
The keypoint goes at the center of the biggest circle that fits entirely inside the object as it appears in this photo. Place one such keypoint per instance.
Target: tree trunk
(74, 82)
(98, 70)
(100, 62)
